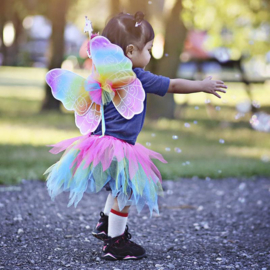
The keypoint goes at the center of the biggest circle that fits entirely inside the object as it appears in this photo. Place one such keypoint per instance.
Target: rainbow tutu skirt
(91, 162)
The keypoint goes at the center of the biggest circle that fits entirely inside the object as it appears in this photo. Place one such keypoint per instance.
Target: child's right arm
(182, 86)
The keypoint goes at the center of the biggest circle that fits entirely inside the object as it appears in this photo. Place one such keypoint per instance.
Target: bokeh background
(199, 134)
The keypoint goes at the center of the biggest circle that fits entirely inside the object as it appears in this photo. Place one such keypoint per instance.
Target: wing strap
(102, 120)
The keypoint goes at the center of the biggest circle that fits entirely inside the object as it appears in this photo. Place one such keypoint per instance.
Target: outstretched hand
(211, 87)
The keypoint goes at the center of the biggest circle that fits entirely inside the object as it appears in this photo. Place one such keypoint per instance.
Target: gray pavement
(203, 224)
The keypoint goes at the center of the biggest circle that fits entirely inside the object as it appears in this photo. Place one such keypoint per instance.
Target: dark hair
(121, 30)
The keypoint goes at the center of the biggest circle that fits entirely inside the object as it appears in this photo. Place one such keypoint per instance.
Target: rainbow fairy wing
(69, 88)
(128, 100)
(114, 71)
(113, 67)
(90, 121)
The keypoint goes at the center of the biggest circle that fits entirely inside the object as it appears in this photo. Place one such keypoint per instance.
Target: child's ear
(130, 51)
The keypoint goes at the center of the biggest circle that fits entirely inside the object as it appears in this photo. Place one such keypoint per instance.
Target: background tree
(13, 11)
(57, 14)
(175, 34)
(231, 24)
(3, 20)
(242, 27)
(174, 38)
(115, 7)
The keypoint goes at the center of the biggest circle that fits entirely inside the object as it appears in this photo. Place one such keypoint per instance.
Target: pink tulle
(95, 149)
(61, 146)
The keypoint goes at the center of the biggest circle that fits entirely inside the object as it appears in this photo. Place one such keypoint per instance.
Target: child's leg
(118, 246)
(101, 229)
(108, 205)
(117, 220)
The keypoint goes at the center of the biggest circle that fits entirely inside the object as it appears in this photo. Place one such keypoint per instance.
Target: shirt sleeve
(152, 84)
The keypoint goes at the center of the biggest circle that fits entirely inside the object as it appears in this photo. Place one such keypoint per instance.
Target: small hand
(211, 87)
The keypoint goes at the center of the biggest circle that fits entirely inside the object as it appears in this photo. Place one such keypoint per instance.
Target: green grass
(25, 132)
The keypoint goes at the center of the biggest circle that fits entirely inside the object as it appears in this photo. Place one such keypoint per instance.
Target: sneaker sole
(101, 236)
(111, 257)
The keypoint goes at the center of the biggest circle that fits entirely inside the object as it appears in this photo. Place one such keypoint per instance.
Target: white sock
(109, 204)
(117, 223)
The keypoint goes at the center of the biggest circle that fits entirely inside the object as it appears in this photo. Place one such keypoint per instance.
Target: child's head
(133, 34)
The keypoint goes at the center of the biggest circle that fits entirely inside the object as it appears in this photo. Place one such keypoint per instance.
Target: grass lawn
(25, 132)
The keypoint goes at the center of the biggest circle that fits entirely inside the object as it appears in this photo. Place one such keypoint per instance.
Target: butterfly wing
(112, 66)
(128, 100)
(69, 88)
(90, 121)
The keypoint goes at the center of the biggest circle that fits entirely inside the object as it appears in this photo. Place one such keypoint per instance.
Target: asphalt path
(203, 224)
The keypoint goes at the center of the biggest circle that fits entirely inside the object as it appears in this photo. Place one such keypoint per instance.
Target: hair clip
(138, 18)
(137, 24)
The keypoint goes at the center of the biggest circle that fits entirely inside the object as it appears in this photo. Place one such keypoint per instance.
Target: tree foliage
(242, 26)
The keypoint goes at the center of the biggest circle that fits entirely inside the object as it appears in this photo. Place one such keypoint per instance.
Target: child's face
(140, 58)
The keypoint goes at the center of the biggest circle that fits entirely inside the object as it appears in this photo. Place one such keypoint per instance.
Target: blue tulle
(72, 173)
(61, 179)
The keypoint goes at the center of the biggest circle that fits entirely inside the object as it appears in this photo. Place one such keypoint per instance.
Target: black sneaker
(121, 248)
(101, 230)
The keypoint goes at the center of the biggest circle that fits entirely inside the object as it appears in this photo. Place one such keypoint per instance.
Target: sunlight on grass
(22, 76)
(36, 136)
(205, 155)
(253, 152)
(25, 132)
(31, 93)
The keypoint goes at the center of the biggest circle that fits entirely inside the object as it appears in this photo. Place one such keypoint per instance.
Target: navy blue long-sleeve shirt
(128, 130)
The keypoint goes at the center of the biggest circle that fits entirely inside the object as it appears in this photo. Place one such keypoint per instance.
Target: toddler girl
(115, 161)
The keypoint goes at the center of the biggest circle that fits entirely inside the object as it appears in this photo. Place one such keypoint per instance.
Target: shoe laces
(127, 235)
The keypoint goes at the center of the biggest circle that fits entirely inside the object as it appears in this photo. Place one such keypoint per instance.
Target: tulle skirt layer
(91, 162)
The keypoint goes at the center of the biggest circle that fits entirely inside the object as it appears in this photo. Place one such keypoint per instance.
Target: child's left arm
(182, 86)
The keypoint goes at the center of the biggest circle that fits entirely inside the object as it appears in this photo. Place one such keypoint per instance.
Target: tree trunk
(13, 51)
(138, 5)
(175, 35)
(58, 18)
(114, 7)
(3, 20)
